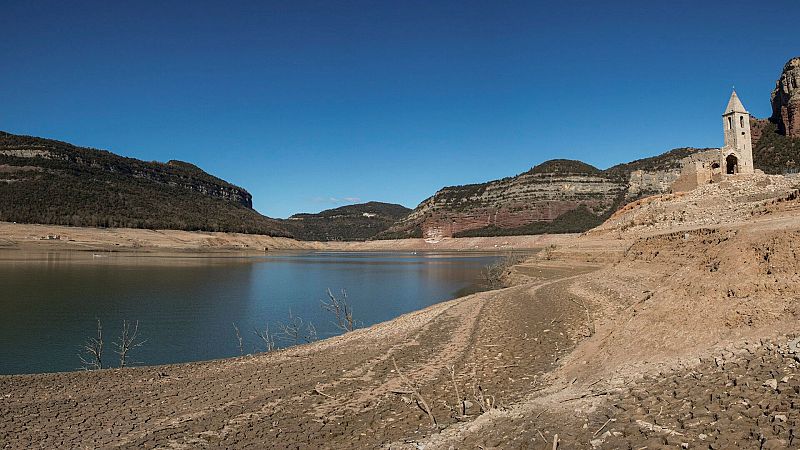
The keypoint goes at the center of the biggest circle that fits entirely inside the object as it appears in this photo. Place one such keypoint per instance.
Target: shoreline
(349, 374)
(57, 237)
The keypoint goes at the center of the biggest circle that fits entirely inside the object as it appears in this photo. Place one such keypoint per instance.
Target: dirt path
(340, 393)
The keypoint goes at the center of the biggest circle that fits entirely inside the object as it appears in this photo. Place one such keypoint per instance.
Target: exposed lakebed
(187, 304)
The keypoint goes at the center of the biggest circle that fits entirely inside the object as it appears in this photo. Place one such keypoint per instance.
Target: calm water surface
(186, 304)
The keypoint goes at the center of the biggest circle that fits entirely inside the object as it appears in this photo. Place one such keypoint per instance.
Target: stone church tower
(737, 154)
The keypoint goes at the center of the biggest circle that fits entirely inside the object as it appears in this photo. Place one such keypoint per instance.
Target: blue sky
(311, 105)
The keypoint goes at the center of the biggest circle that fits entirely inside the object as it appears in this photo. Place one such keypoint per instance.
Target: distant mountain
(53, 182)
(347, 223)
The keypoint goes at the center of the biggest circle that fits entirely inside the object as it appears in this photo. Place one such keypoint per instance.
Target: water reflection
(186, 304)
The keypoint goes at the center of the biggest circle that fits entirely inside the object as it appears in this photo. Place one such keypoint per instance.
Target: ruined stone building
(734, 158)
(737, 154)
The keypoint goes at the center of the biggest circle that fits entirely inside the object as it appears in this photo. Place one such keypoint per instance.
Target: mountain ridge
(54, 182)
(355, 222)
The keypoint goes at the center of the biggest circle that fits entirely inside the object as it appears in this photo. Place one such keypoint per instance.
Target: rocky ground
(626, 337)
(744, 397)
(734, 200)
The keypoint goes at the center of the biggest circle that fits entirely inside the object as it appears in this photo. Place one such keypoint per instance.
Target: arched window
(730, 122)
(741, 121)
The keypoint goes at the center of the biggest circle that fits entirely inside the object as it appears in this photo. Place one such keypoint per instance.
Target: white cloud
(337, 200)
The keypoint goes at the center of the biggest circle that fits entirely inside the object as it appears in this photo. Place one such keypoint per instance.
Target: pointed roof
(734, 105)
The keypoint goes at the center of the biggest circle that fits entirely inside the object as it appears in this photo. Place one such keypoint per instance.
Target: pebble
(773, 383)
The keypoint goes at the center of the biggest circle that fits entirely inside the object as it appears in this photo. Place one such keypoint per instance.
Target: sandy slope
(633, 336)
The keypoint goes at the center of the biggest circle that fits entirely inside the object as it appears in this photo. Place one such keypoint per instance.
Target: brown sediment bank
(54, 237)
(630, 336)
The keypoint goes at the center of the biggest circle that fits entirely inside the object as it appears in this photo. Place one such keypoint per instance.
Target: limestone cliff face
(174, 173)
(53, 182)
(786, 100)
(555, 196)
(534, 196)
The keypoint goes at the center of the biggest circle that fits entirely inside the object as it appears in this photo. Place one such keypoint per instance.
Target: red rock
(786, 99)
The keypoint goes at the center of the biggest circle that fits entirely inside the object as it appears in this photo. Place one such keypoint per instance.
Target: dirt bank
(53, 237)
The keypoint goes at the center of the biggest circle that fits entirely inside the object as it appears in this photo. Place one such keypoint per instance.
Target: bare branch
(266, 337)
(461, 404)
(91, 355)
(127, 342)
(342, 311)
(239, 339)
(296, 330)
(423, 405)
(311, 333)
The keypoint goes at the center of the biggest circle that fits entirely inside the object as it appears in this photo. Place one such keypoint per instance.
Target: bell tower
(737, 154)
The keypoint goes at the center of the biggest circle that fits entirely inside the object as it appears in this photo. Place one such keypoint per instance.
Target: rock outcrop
(52, 182)
(786, 100)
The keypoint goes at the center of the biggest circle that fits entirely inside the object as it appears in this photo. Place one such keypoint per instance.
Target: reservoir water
(187, 304)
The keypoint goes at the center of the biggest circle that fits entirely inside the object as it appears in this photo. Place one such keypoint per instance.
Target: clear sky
(311, 105)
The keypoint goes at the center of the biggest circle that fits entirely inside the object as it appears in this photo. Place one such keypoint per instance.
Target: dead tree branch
(460, 402)
(296, 330)
(127, 342)
(266, 337)
(92, 352)
(239, 340)
(421, 403)
(341, 310)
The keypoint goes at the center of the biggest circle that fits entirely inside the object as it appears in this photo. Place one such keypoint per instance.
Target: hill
(347, 223)
(53, 182)
(557, 196)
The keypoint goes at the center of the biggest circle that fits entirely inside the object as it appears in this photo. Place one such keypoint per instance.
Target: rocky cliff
(786, 100)
(557, 196)
(776, 141)
(53, 182)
